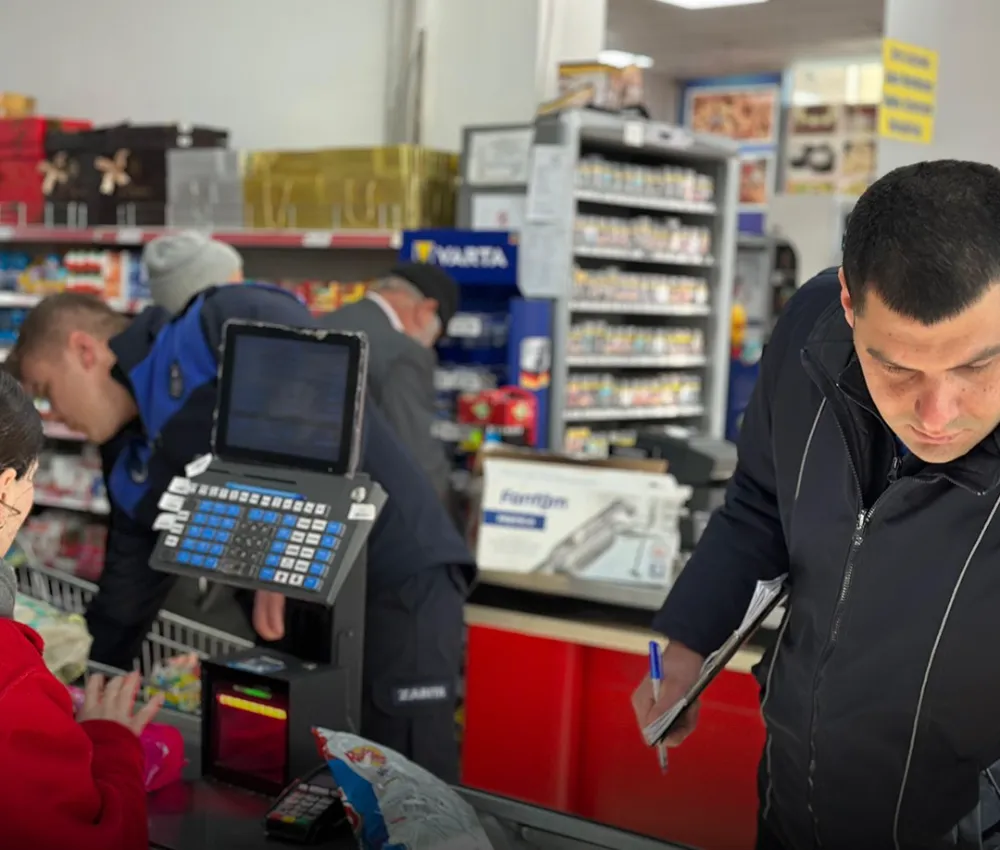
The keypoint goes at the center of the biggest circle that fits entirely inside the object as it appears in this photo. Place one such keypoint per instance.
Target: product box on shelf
(609, 521)
(402, 187)
(117, 176)
(14, 105)
(205, 188)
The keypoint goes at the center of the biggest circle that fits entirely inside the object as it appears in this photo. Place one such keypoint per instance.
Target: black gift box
(117, 176)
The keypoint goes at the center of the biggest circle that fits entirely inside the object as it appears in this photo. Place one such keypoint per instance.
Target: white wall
(304, 73)
(968, 123)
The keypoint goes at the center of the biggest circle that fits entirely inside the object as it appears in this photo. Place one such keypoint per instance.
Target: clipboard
(768, 595)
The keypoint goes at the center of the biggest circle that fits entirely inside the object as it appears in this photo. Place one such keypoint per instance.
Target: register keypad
(268, 537)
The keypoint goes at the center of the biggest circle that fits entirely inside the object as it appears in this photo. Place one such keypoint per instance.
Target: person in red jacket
(67, 781)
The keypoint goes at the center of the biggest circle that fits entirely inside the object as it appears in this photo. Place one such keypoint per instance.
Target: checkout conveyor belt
(198, 816)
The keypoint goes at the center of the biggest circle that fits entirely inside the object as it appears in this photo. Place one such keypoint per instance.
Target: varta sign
(470, 256)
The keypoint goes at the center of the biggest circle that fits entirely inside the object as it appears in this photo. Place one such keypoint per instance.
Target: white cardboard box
(589, 522)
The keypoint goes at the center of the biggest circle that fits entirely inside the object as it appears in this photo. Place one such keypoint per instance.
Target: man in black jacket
(869, 471)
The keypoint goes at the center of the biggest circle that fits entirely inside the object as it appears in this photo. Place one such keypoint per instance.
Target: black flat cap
(432, 282)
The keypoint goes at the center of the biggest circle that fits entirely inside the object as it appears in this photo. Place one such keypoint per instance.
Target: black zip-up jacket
(882, 696)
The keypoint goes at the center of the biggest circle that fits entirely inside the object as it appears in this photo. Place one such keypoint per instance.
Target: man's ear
(845, 298)
(84, 346)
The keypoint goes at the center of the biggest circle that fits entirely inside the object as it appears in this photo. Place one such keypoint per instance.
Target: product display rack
(630, 228)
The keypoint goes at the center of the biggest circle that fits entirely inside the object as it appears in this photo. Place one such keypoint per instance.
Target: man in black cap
(403, 315)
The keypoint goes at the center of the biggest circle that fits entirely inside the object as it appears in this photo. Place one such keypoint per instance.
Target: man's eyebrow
(986, 354)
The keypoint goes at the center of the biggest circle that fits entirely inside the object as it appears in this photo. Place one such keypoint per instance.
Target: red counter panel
(551, 723)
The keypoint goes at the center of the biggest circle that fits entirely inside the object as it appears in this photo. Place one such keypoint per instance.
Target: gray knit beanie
(180, 265)
(8, 590)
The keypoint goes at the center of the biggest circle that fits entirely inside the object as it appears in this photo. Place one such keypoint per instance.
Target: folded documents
(766, 597)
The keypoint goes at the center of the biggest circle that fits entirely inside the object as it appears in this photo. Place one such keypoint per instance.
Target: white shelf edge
(640, 309)
(68, 503)
(673, 411)
(639, 202)
(663, 361)
(634, 255)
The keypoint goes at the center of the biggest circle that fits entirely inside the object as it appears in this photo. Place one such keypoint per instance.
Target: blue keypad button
(278, 547)
(217, 549)
(255, 515)
(214, 521)
(188, 543)
(195, 530)
(202, 547)
(311, 583)
(233, 510)
(284, 533)
(270, 516)
(229, 524)
(222, 536)
(329, 541)
(335, 527)
(204, 505)
(266, 575)
(290, 520)
(183, 557)
(317, 569)
(323, 555)
(221, 508)
(272, 560)
(211, 563)
(197, 561)
(201, 519)
(207, 534)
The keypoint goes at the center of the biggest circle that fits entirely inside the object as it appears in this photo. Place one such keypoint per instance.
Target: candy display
(116, 276)
(393, 803)
(71, 478)
(666, 237)
(614, 286)
(588, 442)
(673, 183)
(179, 680)
(68, 541)
(600, 337)
(597, 392)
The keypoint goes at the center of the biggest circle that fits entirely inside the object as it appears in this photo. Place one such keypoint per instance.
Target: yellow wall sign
(909, 92)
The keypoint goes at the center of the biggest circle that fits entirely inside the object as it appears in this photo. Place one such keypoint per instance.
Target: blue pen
(656, 676)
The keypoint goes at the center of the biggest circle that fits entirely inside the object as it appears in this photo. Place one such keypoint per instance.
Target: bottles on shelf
(599, 392)
(652, 237)
(601, 338)
(663, 182)
(614, 286)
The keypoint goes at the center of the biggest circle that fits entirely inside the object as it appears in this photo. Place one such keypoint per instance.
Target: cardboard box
(595, 85)
(205, 188)
(594, 521)
(13, 105)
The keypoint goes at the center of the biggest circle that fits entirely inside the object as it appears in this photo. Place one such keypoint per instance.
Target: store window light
(711, 4)
(623, 59)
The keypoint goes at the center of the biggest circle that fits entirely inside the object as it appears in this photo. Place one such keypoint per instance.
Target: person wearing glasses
(75, 781)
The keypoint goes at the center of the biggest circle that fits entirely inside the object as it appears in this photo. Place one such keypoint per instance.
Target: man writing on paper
(869, 471)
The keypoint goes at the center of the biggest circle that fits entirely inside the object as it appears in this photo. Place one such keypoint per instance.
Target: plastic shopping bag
(395, 805)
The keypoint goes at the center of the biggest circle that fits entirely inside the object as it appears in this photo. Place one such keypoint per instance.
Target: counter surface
(195, 815)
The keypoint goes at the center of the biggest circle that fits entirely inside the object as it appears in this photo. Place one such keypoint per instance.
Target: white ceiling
(769, 36)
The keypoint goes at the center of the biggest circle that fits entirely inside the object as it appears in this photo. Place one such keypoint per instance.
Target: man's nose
(936, 408)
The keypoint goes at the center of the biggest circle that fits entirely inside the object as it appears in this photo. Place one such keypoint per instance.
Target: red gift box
(24, 138)
(21, 198)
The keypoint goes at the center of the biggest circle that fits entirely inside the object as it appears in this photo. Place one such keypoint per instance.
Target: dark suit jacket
(401, 382)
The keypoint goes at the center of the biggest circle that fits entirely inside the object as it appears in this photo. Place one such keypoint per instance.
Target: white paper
(498, 212)
(499, 157)
(550, 184)
(171, 502)
(198, 466)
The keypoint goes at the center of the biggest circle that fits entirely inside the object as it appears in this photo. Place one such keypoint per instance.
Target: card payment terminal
(279, 505)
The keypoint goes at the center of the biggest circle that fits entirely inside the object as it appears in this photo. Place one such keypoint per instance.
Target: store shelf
(640, 203)
(639, 596)
(315, 239)
(630, 414)
(68, 503)
(633, 361)
(27, 300)
(605, 307)
(635, 255)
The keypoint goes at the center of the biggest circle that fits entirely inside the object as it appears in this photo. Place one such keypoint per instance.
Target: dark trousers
(766, 839)
(413, 652)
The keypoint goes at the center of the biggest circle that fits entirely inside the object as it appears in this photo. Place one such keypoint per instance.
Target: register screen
(288, 396)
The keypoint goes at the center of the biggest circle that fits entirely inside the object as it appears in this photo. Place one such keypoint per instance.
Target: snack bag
(393, 804)
(179, 680)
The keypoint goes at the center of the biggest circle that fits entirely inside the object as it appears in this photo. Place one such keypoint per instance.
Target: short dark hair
(926, 239)
(21, 435)
(49, 324)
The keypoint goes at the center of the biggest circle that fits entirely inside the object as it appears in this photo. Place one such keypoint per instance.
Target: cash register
(279, 505)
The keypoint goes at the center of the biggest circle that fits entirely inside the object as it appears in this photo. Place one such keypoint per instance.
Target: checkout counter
(279, 505)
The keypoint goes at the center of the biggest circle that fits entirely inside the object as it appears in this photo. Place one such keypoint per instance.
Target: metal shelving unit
(551, 255)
